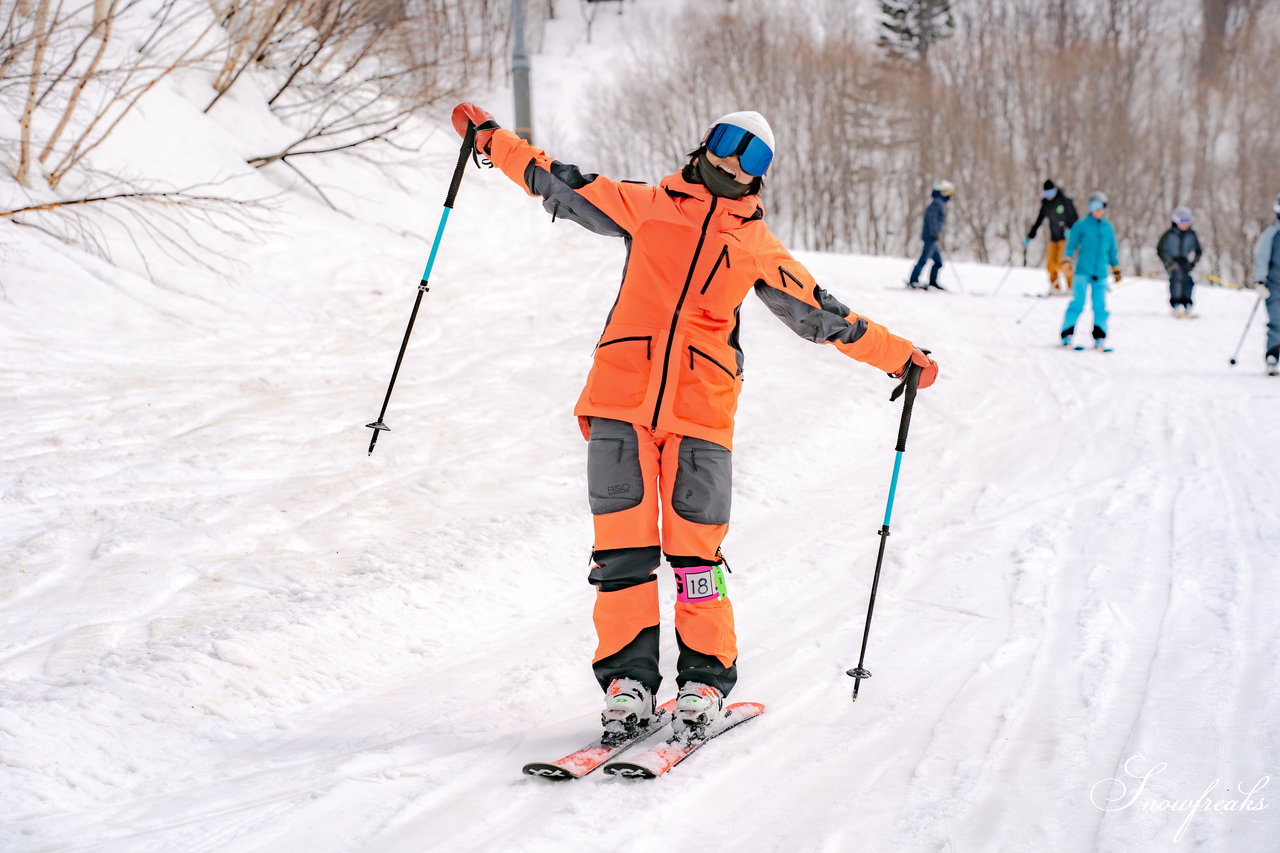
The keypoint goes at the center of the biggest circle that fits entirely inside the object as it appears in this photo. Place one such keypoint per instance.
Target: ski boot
(1273, 364)
(628, 709)
(698, 708)
(1066, 339)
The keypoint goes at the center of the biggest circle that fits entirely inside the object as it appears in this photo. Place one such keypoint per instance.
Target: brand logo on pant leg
(619, 489)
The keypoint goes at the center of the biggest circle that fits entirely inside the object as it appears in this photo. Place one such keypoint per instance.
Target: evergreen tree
(911, 27)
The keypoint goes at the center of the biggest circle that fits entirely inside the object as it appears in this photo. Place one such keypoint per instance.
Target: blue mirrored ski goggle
(1097, 205)
(1183, 220)
(1048, 193)
(728, 140)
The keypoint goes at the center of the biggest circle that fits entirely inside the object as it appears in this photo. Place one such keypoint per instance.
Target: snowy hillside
(224, 627)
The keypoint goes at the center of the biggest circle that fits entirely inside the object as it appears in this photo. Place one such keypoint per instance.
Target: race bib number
(699, 583)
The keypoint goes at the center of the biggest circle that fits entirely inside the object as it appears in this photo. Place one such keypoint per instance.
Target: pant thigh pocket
(614, 481)
(703, 489)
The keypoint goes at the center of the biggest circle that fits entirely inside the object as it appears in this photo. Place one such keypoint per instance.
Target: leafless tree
(1112, 95)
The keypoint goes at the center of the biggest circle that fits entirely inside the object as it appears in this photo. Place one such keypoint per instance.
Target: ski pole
(956, 274)
(908, 385)
(1003, 279)
(468, 142)
(1027, 313)
(1246, 328)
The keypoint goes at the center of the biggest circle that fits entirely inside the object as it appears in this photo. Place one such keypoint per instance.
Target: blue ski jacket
(1095, 240)
(1266, 258)
(935, 216)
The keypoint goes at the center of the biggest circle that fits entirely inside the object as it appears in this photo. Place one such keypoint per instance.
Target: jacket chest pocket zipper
(648, 344)
(695, 351)
(723, 258)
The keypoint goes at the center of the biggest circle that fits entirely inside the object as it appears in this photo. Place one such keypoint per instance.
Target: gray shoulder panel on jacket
(1262, 253)
(558, 187)
(819, 325)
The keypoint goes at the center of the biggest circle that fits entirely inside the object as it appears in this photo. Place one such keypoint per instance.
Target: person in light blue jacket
(1095, 241)
(1266, 273)
(935, 217)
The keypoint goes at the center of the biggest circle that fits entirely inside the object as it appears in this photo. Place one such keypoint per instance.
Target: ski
(659, 759)
(1095, 348)
(582, 761)
(906, 285)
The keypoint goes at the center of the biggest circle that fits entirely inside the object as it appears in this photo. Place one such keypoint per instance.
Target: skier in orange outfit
(659, 402)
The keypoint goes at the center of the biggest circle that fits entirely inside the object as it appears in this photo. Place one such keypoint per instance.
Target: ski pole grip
(468, 142)
(912, 382)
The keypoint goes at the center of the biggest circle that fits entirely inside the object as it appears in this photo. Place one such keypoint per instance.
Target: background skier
(935, 218)
(1179, 251)
(1266, 274)
(1095, 240)
(1059, 211)
(659, 403)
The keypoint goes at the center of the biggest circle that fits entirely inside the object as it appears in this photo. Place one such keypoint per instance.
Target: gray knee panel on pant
(614, 481)
(703, 490)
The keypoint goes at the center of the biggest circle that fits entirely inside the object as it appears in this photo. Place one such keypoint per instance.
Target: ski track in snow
(258, 638)
(224, 627)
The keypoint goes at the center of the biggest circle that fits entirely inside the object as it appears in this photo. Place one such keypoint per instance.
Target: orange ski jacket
(669, 357)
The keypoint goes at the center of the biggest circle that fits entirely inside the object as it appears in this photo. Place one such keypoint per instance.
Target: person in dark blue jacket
(1266, 275)
(1179, 250)
(935, 217)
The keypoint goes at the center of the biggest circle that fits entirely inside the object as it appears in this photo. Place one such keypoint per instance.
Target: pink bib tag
(696, 584)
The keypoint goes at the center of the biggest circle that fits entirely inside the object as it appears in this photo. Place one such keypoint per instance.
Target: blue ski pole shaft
(468, 142)
(909, 385)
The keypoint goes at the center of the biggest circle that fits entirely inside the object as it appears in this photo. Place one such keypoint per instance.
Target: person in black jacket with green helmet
(1059, 211)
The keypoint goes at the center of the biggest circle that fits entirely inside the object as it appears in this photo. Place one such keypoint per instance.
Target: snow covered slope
(224, 627)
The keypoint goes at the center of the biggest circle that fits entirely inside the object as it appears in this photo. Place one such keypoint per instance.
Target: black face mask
(718, 182)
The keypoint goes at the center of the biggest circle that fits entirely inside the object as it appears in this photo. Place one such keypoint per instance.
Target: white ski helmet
(1181, 214)
(946, 188)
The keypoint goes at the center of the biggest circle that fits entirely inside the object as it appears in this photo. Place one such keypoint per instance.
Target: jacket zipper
(724, 256)
(648, 341)
(695, 351)
(675, 317)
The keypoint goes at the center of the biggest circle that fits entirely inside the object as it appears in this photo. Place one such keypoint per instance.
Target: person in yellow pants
(1059, 211)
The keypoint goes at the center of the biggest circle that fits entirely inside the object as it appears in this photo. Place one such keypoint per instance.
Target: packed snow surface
(225, 627)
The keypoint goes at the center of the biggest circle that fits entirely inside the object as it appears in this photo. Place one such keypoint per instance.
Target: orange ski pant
(1053, 262)
(655, 493)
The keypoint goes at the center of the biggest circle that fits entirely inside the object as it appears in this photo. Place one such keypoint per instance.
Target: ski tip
(544, 770)
(745, 708)
(627, 770)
